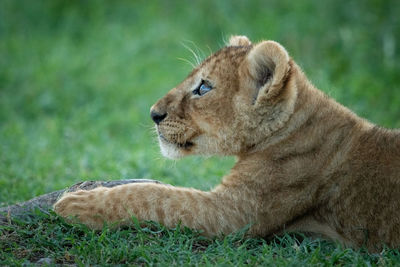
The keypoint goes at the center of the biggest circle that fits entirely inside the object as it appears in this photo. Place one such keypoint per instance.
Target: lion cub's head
(230, 104)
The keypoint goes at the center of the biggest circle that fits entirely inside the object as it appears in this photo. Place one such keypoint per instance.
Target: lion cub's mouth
(186, 145)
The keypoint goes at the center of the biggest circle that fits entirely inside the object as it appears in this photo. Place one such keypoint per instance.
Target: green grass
(77, 79)
(48, 236)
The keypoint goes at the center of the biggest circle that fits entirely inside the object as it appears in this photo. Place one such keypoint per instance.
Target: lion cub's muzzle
(175, 132)
(172, 131)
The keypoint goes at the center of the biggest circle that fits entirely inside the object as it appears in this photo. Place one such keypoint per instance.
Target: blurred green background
(77, 78)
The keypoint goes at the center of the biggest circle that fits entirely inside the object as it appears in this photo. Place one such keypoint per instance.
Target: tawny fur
(304, 162)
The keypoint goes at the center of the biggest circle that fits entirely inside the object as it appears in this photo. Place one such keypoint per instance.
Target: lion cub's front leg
(168, 205)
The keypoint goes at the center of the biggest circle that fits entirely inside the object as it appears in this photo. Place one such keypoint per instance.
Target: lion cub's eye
(203, 88)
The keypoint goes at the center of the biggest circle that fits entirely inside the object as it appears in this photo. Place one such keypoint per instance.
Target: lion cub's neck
(316, 134)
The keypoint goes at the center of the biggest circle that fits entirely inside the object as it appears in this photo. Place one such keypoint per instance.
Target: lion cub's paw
(82, 206)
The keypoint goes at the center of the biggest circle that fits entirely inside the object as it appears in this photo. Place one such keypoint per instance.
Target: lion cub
(304, 162)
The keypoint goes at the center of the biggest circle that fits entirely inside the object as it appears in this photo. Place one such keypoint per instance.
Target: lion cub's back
(368, 203)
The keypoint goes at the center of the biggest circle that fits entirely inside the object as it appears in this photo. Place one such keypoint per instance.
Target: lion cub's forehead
(227, 58)
(230, 56)
(220, 65)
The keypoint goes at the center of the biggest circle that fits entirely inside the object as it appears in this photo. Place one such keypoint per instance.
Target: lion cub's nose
(157, 117)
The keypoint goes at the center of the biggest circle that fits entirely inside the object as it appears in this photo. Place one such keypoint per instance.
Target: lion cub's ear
(267, 65)
(239, 40)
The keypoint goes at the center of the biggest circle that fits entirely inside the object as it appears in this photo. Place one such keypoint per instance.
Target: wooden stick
(45, 202)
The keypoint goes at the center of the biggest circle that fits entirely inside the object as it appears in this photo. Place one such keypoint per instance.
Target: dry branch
(46, 201)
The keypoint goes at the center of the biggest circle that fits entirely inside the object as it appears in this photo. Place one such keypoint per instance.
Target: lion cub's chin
(169, 150)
